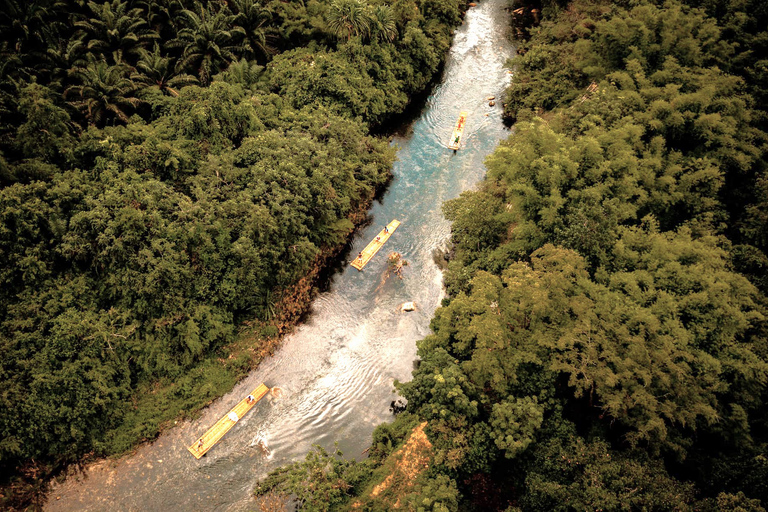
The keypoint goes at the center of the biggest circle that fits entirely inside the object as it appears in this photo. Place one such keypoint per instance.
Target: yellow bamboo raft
(216, 432)
(377, 243)
(458, 132)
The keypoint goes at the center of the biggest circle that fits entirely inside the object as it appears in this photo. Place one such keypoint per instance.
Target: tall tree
(209, 40)
(153, 70)
(114, 30)
(162, 15)
(349, 18)
(254, 18)
(383, 25)
(103, 93)
(22, 23)
(61, 56)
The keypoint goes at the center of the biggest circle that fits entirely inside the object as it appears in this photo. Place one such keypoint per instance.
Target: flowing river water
(337, 369)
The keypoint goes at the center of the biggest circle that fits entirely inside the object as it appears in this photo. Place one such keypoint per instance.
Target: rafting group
(458, 132)
(221, 427)
(364, 256)
(217, 431)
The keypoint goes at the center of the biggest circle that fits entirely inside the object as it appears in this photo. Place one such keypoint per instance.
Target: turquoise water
(337, 369)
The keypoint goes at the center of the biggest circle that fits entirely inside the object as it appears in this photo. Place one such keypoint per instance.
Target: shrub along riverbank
(169, 169)
(604, 343)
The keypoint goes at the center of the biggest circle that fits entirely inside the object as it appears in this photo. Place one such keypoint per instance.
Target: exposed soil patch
(410, 461)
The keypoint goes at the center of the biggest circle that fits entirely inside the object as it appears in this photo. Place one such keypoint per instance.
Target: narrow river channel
(337, 369)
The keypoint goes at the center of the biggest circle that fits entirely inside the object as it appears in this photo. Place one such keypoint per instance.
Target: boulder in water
(395, 264)
(397, 406)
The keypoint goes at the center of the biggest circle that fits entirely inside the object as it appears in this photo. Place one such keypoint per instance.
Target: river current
(337, 369)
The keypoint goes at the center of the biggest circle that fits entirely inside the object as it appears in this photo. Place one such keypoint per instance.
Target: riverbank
(153, 235)
(165, 401)
(584, 343)
(160, 405)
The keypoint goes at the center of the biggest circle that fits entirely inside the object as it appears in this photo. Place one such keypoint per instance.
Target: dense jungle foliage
(604, 343)
(167, 169)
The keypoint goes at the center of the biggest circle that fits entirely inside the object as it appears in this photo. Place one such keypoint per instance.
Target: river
(337, 369)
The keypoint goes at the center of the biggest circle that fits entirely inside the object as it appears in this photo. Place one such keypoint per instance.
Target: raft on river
(458, 132)
(215, 433)
(377, 243)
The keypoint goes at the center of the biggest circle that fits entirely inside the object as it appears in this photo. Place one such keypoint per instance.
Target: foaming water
(336, 371)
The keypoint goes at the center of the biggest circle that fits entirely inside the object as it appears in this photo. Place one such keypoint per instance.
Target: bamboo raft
(216, 432)
(458, 132)
(377, 243)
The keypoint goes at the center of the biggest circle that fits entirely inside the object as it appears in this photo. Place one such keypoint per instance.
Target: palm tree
(115, 29)
(242, 72)
(383, 23)
(349, 17)
(252, 16)
(209, 40)
(103, 93)
(60, 56)
(22, 22)
(69, 5)
(155, 71)
(10, 64)
(161, 15)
